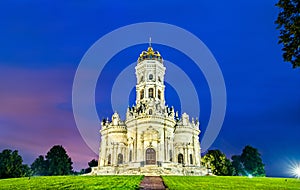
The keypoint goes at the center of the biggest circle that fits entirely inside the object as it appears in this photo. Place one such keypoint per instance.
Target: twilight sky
(43, 43)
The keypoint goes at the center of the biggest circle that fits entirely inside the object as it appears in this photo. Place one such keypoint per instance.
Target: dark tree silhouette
(92, 163)
(59, 163)
(252, 162)
(11, 165)
(237, 165)
(288, 23)
(248, 163)
(40, 166)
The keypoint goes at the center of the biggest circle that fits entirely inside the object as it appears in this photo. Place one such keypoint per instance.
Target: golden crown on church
(150, 54)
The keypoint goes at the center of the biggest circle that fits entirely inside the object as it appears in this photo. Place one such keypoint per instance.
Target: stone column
(138, 148)
(165, 144)
(112, 154)
(197, 152)
(102, 152)
(143, 151)
(187, 155)
(117, 152)
(135, 145)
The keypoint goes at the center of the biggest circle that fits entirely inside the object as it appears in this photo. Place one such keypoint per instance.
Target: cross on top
(150, 42)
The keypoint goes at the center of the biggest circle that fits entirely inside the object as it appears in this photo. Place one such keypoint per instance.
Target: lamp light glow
(297, 172)
(295, 169)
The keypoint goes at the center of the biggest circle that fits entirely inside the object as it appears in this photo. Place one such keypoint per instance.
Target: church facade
(152, 138)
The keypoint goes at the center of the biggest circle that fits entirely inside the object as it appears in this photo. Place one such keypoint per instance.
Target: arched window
(180, 158)
(159, 80)
(109, 160)
(150, 112)
(159, 94)
(150, 92)
(120, 158)
(141, 94)
(150, 77)
(130, 155)
(191, 159)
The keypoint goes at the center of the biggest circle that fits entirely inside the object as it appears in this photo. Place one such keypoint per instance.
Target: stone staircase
(149, 170)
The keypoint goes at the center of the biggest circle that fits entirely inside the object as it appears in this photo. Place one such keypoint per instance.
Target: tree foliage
(59, 163)
(56, 162)
(288, 22)
(249, 162)
(40, 166)
(11, 165)
(218, 163)
(252, 161)
(237, 165)
(92, 163)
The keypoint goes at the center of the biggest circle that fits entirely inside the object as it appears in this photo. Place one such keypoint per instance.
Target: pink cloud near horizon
(36, 113)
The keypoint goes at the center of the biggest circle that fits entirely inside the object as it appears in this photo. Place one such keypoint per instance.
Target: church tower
(150, 73)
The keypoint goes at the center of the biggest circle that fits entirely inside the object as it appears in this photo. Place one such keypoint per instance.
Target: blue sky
(43, 43)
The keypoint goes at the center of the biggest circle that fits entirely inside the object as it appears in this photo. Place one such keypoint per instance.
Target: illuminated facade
(152, 139)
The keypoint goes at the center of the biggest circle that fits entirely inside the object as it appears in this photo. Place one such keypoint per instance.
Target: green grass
(218, 182)
(72, 182)
(132, 182)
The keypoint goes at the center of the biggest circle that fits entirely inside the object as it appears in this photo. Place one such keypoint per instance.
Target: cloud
(35, 113)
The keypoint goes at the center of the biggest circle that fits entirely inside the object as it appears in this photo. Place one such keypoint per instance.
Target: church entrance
(150, 156)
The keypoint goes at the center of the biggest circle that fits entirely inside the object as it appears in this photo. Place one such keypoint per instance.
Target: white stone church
(153, 139)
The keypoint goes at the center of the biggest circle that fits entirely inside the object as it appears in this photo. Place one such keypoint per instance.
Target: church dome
(150, 54)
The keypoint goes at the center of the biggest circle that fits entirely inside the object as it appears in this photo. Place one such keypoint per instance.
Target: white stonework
(153, 139)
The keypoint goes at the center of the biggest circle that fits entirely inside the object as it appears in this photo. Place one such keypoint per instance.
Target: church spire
(150, 42)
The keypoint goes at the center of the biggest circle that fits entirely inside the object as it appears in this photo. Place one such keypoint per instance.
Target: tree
(40, 166)
(288, 22)
(59, 163)
(11, 165)
(92, 163)
(249, 162)
(218, 163)
(252, 162)
(26, 171)
(237, 165)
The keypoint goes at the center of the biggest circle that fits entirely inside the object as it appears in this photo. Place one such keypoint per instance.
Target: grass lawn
(218, 182)
(72, 182)
(132, 182)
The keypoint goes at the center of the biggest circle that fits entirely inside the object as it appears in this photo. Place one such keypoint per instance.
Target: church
(152, 139)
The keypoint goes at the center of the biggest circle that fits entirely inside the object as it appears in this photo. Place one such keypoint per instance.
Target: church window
(142, 79)
(109, 160)
(150, 77)
(150, 112)
(120, 158)
(141, 94)
(159, 80)
(151, 93)
(170, 152)
(130, 155)
(180, 158)
(159, 94)
(191, 159)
